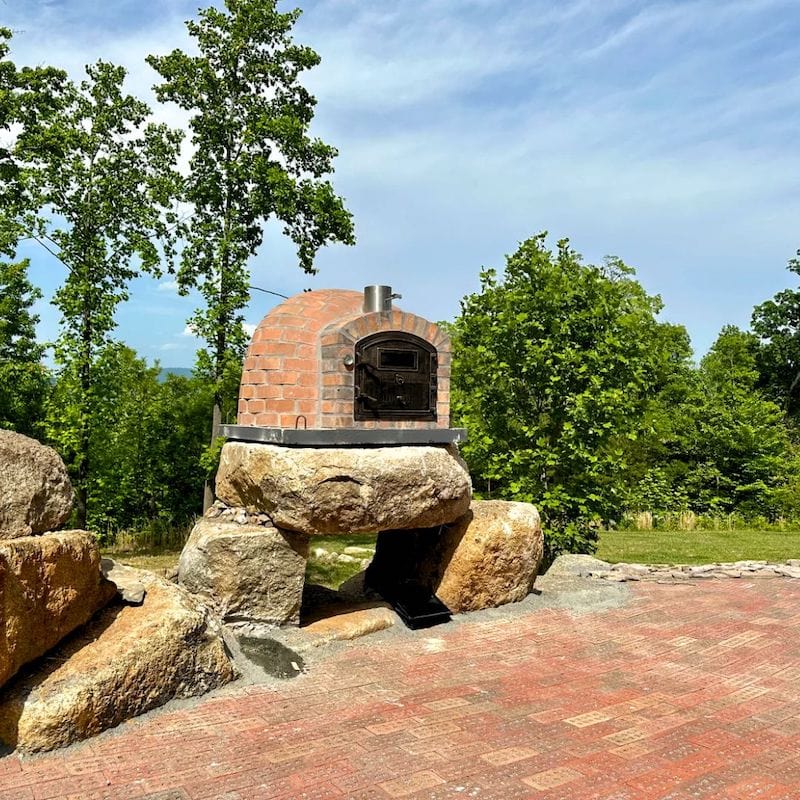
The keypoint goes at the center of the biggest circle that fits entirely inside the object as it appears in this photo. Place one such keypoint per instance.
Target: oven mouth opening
(395, 378)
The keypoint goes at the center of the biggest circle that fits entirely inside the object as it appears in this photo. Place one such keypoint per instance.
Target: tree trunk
(216, 425)
(84, 434)
(220, 345)
(81, 498)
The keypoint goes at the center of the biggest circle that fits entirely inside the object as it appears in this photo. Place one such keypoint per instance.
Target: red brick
(305, 337)
(282, 348)
(289, 421)
(268, 334)
(267, 362)
(418, 326)
(345, 728)
(267, 391)
(299, 364)
(307, 351)
(337, 379)
(331, 340)
(337, 394)
(273, 348)
(282, 320)
(256, 377)
(308, 379)
(300, 392)
(280, 406)
(283, 377)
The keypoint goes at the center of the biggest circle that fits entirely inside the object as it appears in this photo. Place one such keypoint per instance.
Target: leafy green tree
(105, 185)
(721, 445)
(743, 439)
(777, 324)
(24, 381)
(147, 439)
(253, 160)
(651, 456)
(28, 96)
(552, 368)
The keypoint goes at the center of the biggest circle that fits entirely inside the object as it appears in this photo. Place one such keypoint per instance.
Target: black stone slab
(343, 437)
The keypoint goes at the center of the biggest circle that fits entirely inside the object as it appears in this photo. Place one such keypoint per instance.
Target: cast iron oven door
(395, 377)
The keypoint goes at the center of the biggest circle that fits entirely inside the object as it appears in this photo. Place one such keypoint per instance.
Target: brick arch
(339, 339)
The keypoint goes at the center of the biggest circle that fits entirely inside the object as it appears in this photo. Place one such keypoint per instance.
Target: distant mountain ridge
(183, 372)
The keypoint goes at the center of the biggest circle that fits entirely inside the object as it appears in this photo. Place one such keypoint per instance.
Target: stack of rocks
(121, 659)
(248, 555)
(49, 584)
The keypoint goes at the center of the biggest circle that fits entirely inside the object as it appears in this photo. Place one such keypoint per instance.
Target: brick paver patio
(687, 691)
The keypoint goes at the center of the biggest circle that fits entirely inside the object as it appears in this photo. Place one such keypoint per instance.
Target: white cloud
(189, 330)
(168, 286)
(663, 132)
(249, 328)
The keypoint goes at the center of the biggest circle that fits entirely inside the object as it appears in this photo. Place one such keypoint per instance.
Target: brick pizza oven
(333, 364)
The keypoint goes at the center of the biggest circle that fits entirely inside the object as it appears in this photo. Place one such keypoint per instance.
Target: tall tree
(253, 160)
(28, 96)
(552, 368)
(105, 187)
(23, 379)
(718, 444)
(741, 432)
(147, 438)
(777, 324)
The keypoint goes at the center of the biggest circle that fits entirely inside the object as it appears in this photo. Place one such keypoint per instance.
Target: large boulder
(128, 660)
(35, 491)
(487, 558)
(49, 586)
(249, 572)
(326, 490)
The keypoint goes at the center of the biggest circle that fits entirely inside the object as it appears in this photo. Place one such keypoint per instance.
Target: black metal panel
(415, 604)
(395, 377)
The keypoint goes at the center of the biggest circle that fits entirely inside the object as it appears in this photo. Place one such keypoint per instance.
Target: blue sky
(661, 132)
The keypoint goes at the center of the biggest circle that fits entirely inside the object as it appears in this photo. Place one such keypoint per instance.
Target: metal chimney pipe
(378, 298)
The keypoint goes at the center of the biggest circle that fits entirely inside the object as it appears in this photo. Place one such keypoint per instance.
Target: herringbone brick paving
(685, 692)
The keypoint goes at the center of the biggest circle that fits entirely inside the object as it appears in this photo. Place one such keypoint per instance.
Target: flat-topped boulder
(35, 490)
(327, 490)
(49, 586)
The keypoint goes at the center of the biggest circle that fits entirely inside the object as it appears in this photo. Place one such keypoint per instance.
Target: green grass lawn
(158, 560)
(698, 547)
(161, 560)
(648, 547)
(333, 575)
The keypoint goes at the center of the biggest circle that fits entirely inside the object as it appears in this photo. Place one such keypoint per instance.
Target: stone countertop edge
(344, 437)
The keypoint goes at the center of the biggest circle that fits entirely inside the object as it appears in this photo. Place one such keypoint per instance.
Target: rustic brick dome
(299, 370)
